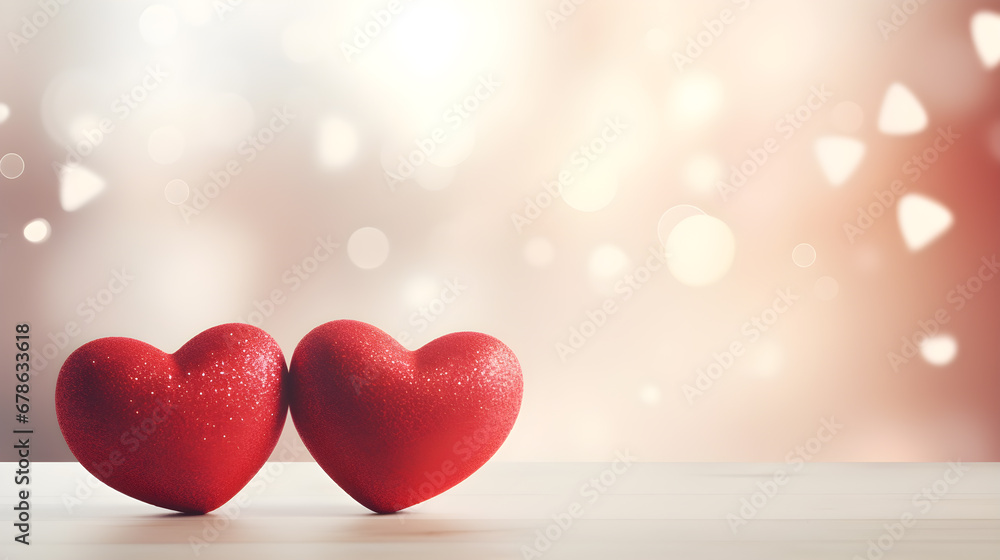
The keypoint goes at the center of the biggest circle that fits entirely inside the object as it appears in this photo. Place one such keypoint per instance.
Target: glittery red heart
(183, 431)
(393, 427)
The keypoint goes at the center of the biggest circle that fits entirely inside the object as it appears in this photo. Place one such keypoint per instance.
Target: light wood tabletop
(544, 510)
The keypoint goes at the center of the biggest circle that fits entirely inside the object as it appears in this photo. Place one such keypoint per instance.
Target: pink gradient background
(624, 387)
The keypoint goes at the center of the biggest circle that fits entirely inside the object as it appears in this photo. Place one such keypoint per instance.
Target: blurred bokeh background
(774, 236)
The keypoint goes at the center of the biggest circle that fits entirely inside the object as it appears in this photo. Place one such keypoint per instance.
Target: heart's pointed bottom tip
(190, 513)
(386, 511)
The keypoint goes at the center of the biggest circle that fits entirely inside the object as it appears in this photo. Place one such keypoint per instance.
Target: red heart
(183, 431)
(393, 427)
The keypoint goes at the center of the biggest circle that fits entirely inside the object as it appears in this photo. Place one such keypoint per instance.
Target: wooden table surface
(929, 511)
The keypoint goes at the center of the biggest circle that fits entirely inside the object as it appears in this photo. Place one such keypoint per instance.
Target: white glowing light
(702, 172)
(456, 148)
(673, 216)
(11, 166)
(430, 36)
(421, 290)
(901, 113)
(337, 143)
(700, 250)
(158, 25)
(986, 36)
(650, 395)
(539, 251)
(695, 99)
(177, 192)
(922, 220)
(85, 128)
(839, 157)
(196, 12)
(804, 255)
(657, 40)
(222, 119)
(166, 145)
(939, 350)
(607, 261)
(78, 186)
(434, 178)
(368, 248)
(766, 358)
(592, 190)
(302, 41)
(826, 288)
(4, 112)
(37, 230)
(432, 54)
